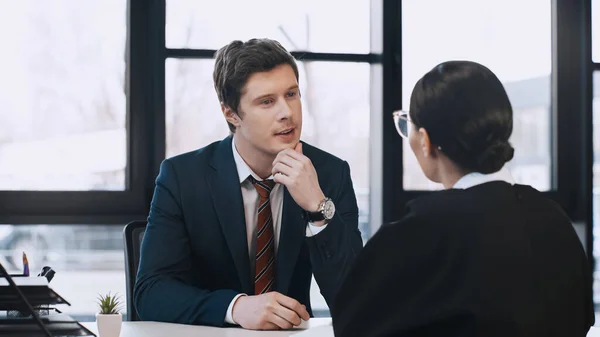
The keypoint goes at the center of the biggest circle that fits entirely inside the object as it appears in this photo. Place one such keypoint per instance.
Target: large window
(88, 260)
(596, 187)
(96, 93)
(193, 115)
(514, 44)
(596, 144)
(62, 95)
(596, 30)
(335, 113)
(336, 93)
(63, 132)
(309, 25)
(83, 126)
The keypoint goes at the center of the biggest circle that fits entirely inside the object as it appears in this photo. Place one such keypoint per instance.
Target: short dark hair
(238, 60)
(466, 112)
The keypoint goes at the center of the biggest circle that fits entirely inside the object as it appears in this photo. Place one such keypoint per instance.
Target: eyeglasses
(402, 122)
(404, 125)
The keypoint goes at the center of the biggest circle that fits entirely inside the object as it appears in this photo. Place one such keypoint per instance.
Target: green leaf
(109, 304)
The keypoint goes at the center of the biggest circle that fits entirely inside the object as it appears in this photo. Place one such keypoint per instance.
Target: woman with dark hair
(484, 257)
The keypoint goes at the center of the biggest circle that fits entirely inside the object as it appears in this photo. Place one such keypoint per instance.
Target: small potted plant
(109, 318)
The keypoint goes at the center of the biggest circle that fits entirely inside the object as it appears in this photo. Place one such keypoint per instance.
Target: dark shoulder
(196, 163)
(412, 230)
(538, 202)
(445, 204)
(485, 199)
(460, 199)
(409, 222)
(199, 156)
(320, 158)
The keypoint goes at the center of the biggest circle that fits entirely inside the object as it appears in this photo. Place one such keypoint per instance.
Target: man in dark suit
(237, 228)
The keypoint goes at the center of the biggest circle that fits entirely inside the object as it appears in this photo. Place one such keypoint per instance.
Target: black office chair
(133, 234)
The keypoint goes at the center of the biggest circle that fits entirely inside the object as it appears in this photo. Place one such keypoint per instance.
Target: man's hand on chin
(270, 311)
(294, 170)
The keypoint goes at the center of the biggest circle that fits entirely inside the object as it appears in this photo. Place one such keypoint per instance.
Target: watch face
(329, 210)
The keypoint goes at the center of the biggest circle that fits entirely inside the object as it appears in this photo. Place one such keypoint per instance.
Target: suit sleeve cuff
(312, 230)
(229, 315)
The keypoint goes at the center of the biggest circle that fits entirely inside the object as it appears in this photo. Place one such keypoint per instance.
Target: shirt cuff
(229, 315)
(312, 230)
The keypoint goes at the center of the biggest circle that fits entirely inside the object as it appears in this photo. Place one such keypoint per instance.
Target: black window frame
(146, 55)
(571, 114)
(104, 207)
(571, 94)
(572, 147)
(163, 53)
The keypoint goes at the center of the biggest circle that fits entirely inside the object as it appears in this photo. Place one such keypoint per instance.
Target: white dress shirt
(251, 198)
(476, 178)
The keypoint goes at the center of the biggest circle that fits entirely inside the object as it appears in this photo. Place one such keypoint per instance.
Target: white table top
(151, 329)
(594, 332)
(316, 327)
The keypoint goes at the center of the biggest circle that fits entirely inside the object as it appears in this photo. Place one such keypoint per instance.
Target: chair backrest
(133, 234)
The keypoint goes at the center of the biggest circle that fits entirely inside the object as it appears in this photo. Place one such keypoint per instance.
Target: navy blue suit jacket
(194, 257)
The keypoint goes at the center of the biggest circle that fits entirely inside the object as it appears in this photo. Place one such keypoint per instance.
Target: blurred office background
(95, 94)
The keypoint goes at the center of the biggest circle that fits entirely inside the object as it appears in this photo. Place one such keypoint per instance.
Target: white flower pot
(109, 325)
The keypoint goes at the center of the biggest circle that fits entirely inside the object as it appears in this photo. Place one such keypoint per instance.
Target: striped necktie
(265, 239)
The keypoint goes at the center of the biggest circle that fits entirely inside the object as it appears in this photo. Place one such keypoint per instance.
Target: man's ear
(230, 115)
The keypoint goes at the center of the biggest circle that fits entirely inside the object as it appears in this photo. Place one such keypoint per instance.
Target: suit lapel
(291, 238)
(226, 193)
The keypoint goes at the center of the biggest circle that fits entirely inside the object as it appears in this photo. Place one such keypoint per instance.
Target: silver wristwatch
(326, 211)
